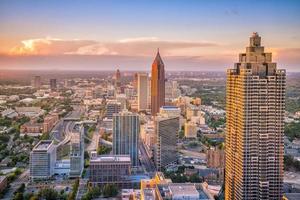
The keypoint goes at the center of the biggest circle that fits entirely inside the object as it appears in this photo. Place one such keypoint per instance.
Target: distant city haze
(106, 35)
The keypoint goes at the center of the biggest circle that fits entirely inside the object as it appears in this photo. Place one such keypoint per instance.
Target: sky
(109, 34)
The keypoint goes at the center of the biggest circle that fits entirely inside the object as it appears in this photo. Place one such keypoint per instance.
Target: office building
(170, 111)
(112, 107)
(255, 106)
(49, 122)
(77, 153)
(215, 157)
(36, 82)
(118, 79)
(192, 111)
(112, 169)
(165, 151)
(172, 90)
(126, 130)
(142, 91)
(42, 160)
(53, 85)
(190, 130)
(157, 84)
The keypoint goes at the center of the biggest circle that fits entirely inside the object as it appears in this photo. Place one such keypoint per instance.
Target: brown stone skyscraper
(118, 78)
(255, 105)
(157, 84)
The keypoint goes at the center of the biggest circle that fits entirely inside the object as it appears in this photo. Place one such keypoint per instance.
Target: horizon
(106, 35)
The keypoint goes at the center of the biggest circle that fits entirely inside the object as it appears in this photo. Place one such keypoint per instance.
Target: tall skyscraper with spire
(157, 84)
(255, 106)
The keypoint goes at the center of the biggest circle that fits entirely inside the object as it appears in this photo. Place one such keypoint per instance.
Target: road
(145, 160)
(23, 178)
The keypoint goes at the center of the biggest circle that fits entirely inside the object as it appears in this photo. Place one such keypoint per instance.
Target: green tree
(18, 196)
(72, 195)
(110, 190)
(48, 194)
(195, 178)
(103, 150)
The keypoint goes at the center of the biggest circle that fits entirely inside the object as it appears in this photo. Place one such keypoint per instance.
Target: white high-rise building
(42, 160)
(142, 91)
(77, 153)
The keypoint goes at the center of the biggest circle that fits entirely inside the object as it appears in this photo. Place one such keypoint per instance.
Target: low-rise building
(31, 112)
(9, 113)
(49, 122)
(31, 129)
(190, 130)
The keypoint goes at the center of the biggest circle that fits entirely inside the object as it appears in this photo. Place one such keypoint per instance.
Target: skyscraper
(165, 151)
(142, 90)
(53, 85)
(77, 153)
(42, 160)
(36, 83)
(157, 84)
(126, 130)
(255, 105)
(118, 78)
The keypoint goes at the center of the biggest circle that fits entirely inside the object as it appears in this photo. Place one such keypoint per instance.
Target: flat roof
(170, 107)
(111, 158)
(149, 193)
(183, 189)
(43, 145)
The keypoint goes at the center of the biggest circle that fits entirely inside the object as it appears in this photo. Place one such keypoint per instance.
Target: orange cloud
(48, 46)
(143, 46)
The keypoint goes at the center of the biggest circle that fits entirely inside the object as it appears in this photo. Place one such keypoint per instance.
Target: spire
(255, 40)
(158, 60)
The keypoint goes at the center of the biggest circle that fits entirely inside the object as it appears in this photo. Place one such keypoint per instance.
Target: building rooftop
(183, 189)
(111, 158)
(43, 145)
(149, 193)
(170, 107)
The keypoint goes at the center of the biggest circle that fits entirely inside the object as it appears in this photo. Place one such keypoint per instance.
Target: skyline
(103, 35)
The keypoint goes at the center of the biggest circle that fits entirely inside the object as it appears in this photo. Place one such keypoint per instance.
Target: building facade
(112, 169)
(165, 151)
(53, 84)
(77, 153)
(255, 106)
(142, 90)
(112, 107)
(36, 82)
(42, 160)
(157, 84)
(126, 130)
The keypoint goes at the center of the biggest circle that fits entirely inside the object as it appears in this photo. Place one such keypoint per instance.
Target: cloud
(141, 46)
(48, 46)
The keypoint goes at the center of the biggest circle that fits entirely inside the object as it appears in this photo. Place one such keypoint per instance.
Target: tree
(195, 178)
(110, 190)
(18, 196)
(48, 194)
(92, 193)
(103, 150)
(72, 195)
